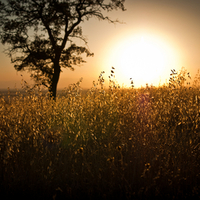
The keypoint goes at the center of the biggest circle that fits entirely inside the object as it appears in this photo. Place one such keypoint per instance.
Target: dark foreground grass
(104, 144)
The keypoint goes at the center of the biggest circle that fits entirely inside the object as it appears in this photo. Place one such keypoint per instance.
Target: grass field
(112, 143)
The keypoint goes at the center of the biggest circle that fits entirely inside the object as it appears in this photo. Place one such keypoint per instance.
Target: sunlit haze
(143, 58)
(154, 37)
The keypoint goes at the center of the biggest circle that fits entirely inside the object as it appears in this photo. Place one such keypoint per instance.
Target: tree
(40, 34)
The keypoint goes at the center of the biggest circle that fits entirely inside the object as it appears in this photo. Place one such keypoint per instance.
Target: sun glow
(143, 58)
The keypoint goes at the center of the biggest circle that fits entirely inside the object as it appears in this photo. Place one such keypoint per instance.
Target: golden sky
(160, 35)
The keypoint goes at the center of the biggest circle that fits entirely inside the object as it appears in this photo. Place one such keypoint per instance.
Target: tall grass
(105, 143)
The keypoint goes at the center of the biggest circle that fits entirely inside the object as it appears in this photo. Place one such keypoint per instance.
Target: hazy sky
(166, 32)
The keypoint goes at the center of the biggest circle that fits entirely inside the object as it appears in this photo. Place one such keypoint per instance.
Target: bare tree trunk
(54, 81)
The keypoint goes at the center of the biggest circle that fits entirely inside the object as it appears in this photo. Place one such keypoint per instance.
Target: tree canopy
(40, 34)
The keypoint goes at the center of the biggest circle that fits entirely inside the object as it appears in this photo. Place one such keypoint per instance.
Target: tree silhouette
(40, 34)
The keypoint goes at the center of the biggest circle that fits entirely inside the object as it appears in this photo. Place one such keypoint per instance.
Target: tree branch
(48, 29)
(68, 32)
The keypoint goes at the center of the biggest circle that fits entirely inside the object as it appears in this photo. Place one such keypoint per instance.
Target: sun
(145, 59)
(142, 60)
